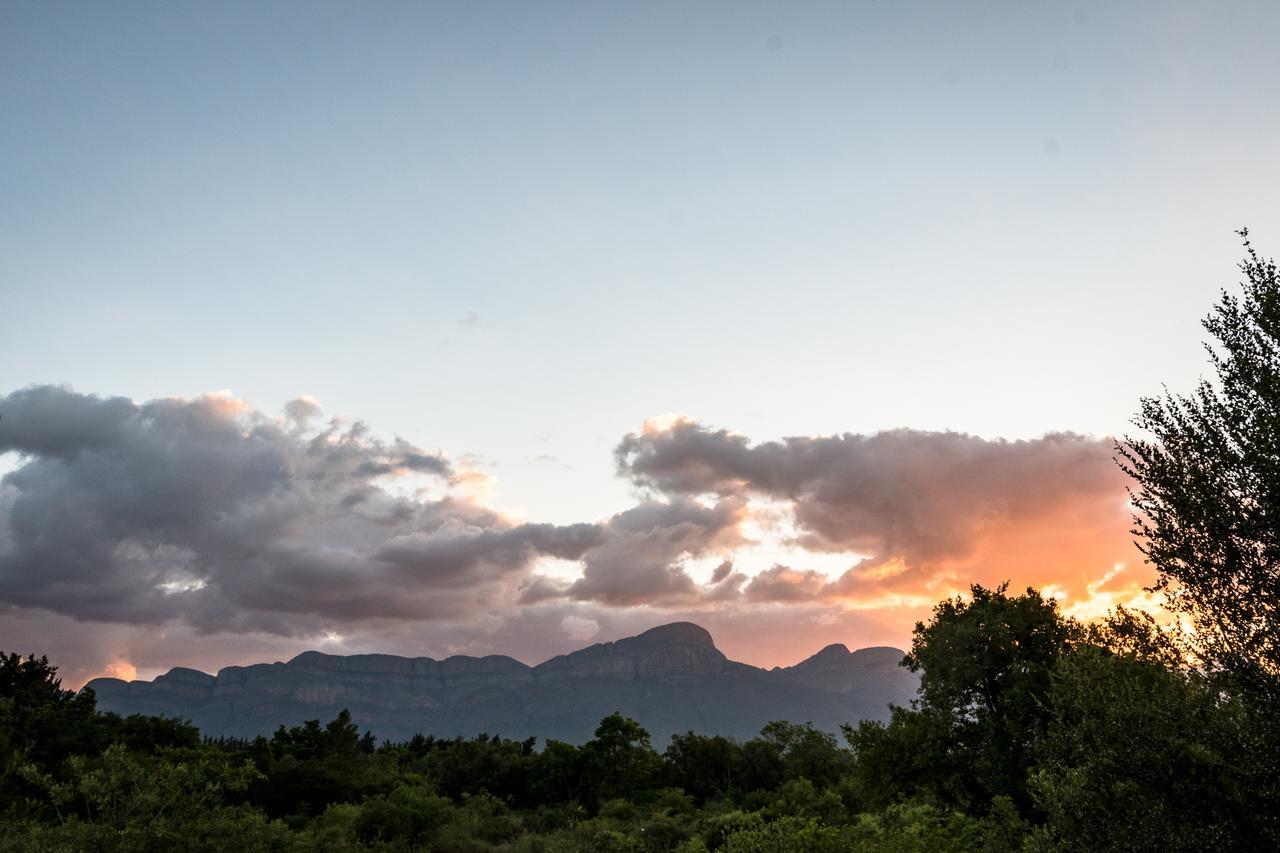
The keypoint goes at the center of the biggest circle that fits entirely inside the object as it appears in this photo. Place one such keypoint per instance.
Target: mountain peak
(677, 650)
(836, 653)
(680, 632)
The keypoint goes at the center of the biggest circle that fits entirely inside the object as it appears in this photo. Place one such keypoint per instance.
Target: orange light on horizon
(121, 669)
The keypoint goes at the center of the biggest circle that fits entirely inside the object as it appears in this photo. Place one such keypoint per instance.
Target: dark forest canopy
(1030, 731)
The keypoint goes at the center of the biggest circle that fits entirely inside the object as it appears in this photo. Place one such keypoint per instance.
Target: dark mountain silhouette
(672, 679)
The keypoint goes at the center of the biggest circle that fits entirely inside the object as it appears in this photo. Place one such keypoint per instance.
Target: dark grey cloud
(641, 559)
(541, 588)
(405, 458)
(50, 422)
(219, 534)
(919, 496)
(207, 512)
(448, 556)
(784, 584)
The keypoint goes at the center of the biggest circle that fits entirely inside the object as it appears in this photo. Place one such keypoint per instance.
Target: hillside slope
(671, 679)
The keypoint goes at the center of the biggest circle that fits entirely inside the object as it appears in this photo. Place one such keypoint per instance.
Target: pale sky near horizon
(517, 231)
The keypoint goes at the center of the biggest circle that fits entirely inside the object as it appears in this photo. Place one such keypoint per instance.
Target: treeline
(1031, 732)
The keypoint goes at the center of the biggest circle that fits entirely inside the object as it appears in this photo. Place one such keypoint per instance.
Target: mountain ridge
(671, 678)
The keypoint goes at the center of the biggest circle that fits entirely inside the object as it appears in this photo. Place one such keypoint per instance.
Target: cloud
(579, 629)
(781, 583)
(209, 512)
(912, 508)
(302, 410)
(641, 558)
(542, 588)
(450, 556)
(206, 532)
(722, 571)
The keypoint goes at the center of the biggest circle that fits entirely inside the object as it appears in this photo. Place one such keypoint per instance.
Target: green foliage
(124, 801)
(1114, 741)
(39, 721)
(305, 768)
(1135, 634)
(985, 669)
(42, 725)
(704, 766)
(806, 752)
(324, 788)
(484, 763)
(920, 753)
(411, 813)
(1207, 506)
(1139, 751)
(32, 683)
(619, 761)
(1208, 488)
(787, 835)
(913, 826)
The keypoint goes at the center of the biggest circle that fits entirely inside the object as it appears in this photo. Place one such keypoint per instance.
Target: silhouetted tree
(807, 752)
(1208, 488)
(705, 766)
(984, 669)
(620, 760)
(1141, 756)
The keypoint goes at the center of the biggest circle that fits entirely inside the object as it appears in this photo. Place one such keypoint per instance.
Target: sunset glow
(301, 526)
(545, 326)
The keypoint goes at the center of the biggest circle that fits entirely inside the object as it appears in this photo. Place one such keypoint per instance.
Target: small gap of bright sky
(516, 230)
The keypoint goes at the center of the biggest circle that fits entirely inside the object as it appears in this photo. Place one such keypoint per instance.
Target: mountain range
(672, 679)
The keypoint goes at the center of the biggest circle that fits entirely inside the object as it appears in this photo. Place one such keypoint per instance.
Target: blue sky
(517, 230)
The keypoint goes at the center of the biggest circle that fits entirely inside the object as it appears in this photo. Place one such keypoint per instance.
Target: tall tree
(985, 667)
(620, 759)
(1138, 755)
(1208, 488)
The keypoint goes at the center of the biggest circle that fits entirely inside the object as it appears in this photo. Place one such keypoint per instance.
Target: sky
(440, 328)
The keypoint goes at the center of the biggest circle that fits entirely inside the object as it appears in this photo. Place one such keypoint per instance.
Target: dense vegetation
(1031, 731)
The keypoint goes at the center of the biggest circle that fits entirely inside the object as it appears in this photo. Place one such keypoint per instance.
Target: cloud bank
(209, 513)
(917, 508)
(228, 531)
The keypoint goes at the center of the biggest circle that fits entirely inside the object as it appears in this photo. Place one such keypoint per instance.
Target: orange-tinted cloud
(121, 669)
(641, 558)
(922, 514)
(239, 536)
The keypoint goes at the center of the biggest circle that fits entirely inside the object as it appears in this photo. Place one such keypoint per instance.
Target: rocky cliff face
(838, 669)
(678, 650)
(671, 678)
